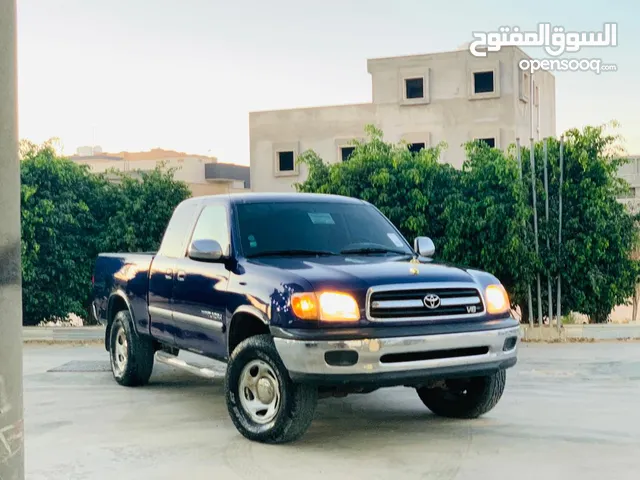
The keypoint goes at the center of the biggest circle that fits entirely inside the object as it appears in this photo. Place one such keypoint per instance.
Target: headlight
(336, 306)
(497, 299)
(325, 306)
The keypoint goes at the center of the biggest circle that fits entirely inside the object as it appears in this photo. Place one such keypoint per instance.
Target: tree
(599, 234)
(60, 233)
(484, 219)
(145, 203)
(69, 215)
(409, 188)
(481, 216)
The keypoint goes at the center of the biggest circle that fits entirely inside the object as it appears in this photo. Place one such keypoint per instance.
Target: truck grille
(423, 302)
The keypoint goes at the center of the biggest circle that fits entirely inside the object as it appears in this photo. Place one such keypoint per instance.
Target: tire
(291, 406)
(464, 398)
(131, 355)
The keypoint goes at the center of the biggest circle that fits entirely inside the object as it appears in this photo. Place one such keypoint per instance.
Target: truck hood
(363, 271)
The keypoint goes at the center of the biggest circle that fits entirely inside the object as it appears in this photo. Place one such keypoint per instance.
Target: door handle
(168, 274)
(181, 275)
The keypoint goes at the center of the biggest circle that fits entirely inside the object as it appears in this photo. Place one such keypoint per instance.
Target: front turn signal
(497, 299)
(305, 305)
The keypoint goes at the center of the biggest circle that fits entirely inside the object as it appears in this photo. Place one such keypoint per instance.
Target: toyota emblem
(431, 301)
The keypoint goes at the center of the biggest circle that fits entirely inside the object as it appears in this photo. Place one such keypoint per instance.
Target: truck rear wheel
(464, 398)
(264, 404)
(131, 355)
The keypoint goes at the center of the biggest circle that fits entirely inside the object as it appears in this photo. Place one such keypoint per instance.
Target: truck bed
(128, 272)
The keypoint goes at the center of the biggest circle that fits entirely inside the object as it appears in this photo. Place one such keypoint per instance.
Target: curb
(580, 333)
(62, 334)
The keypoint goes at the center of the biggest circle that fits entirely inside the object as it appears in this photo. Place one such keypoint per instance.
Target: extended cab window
(334, 228)
(213, 225)
(176, 236)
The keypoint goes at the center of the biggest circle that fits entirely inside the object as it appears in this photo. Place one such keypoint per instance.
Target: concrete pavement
(570, 411)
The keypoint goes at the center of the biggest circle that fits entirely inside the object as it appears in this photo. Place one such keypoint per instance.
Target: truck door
(200, 289)
(163, 269)
(160, 292)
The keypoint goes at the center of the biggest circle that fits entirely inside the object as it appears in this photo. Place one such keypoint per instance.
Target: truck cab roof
(255, 197)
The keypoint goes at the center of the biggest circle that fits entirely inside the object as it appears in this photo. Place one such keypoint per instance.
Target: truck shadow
(385, 415)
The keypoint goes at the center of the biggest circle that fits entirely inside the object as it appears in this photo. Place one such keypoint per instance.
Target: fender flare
(246, 309)
(122, 296)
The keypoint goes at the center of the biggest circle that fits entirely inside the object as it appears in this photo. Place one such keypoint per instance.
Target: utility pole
(11, 420)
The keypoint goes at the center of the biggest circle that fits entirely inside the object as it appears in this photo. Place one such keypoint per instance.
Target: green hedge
(481, 216)
(69, 215)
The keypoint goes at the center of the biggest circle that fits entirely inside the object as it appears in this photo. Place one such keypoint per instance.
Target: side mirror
(424, 246)
(205, 250)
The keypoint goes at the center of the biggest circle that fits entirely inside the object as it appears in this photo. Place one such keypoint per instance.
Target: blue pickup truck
(304, 296)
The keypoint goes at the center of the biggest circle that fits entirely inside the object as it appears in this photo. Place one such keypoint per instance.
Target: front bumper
(399, 360)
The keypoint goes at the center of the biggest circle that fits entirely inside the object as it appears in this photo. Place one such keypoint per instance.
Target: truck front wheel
(464, 398)
(131, 355)
(264, 404)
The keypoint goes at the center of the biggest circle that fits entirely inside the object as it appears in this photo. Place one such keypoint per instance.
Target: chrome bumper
(446, 351)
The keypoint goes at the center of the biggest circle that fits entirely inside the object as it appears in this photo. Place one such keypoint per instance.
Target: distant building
(631, 173)
(89, 151)
(422, 99)
(203, 174)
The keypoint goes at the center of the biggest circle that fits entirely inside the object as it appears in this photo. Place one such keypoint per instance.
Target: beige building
(631, 173)
(422, 99)
(204, 174)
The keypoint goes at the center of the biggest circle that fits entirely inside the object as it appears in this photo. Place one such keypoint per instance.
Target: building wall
(319, 129)
(449, 113)
(215, 188)
(631, 173)
(189, 169)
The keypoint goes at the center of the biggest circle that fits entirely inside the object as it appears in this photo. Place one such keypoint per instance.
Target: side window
(213, 225)
(176, 235)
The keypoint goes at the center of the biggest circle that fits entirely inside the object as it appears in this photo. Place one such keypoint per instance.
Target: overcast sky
(183, 74)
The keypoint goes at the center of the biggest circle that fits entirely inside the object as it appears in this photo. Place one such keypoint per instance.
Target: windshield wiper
(366, 250)
(290, 253)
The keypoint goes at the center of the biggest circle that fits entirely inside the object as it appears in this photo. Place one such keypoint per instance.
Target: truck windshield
(316, 228)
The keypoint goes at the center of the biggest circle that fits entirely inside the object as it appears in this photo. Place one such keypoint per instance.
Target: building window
(489, 141)
(536, 96)
(285, 162)
(416, 147)
(525, 86)
(414, 88)
(483, 82)
(345, 152)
